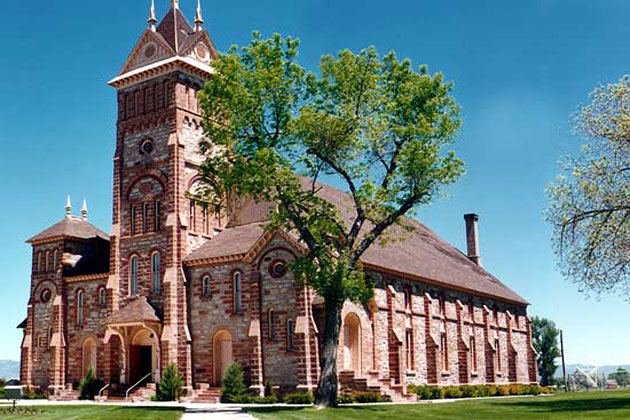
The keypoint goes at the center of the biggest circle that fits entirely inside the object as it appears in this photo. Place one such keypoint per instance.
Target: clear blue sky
(520, 69)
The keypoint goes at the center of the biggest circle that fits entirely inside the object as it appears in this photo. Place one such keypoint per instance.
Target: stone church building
(174, 282)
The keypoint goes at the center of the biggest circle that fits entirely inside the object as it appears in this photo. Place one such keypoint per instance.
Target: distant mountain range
(608, 369)
(9, 369)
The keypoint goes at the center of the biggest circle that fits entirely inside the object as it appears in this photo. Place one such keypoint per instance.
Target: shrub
(3, 395)
(268, 389)
(345, 399)
(89, 386)
(233, 384)
(299, 398)
(171, 384)
(369, 397)
(453, 392)
(427, 392)
(502, 391)
(249, 399)
(469, 391)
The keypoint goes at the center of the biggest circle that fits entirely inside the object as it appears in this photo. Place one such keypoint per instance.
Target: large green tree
(545, 340)
(621, 376)
(590, 201)
(372, 124)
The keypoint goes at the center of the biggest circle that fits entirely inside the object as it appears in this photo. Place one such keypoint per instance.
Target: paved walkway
(216, 414)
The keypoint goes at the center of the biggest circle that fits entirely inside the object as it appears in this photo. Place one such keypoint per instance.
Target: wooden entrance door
(222, 355)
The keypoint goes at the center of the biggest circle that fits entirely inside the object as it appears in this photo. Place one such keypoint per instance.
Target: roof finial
(198, 18)
(68, 207)
(84, 210)
(175, 4)
(152, 20)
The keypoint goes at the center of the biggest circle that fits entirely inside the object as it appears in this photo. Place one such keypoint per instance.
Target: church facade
(174, 282)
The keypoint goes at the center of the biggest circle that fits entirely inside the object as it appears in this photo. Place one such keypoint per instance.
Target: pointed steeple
(198, 18)
(175, 4)
(68, 207)
(152, 20)
(84, 211)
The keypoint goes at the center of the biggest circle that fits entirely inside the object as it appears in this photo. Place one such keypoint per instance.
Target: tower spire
(84, 211)
(68, 207)
(175, 4)
(152, 20)
(198, 18)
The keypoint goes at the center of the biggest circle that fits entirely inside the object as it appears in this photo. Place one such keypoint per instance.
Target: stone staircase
(65, 394)
(144, 393)
(206, 394)
(348, 383)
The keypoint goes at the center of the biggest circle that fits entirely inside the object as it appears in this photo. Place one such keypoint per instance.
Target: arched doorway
(89, 357)
(222, 354)
(352, 343)
(143, 357)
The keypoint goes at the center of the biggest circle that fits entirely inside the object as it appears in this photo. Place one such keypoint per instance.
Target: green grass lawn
(97, 413)
(611, 405)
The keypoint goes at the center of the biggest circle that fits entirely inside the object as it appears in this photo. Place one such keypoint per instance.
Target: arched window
(206, 286)
(192, 216)
(157, 225)
(271, 324)
(102, 297)
(133, 280)
(89, 356)
(145, 217)
(290, 334)
(40, 262)
(47, 261)
(155, 272)
(55, 260)
(80, 299)
(238, 295)
(407, 296)
(497, 355)
(409, 349)
(444, 351)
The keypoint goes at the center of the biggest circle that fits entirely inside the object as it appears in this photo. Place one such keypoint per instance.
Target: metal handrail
(100, 393)
(136, 384)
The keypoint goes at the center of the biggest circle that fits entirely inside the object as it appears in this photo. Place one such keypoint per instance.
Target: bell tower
(155, 164)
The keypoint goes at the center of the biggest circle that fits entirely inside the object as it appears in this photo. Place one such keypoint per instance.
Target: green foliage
(474, 391)
(590, 201)
(621, 376)
(345, 399)
(233, 385)
(249, 399)
(90, 386)
(369, 397)
(371, 122)
(171, 384)
(299, 398)
(545, 340)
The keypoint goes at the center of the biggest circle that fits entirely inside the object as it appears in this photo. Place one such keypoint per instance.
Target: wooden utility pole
(564, 367)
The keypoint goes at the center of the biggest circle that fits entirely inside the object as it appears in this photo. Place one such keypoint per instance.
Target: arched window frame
(206, 284)
(47, 261)
(271, 324)
(472, 348)
(407, 298)
(237, 292)
(102, 297)
(80, 307)
(40, 262)
(55, 260)
(156, 272)
(133, 275)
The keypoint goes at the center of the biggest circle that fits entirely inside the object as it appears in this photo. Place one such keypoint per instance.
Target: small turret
(152, 20)
(68, 207)
(198, 18)
(84, 211)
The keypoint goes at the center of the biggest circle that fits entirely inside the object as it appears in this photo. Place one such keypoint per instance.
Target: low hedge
(428, 392)
(362, 398)
(299, 398)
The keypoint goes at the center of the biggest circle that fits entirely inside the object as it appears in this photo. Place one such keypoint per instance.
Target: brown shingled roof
(175, 28)
(230, 242)
(421, 254)
(137, 309)
(72, 226)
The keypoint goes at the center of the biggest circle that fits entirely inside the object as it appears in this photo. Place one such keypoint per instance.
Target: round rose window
(277, 268)
(46, 295)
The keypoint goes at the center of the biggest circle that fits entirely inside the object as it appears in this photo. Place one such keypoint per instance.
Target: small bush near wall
(475, 391)
(363, 397)
(299, 398)
(90, 386)
(233, 389)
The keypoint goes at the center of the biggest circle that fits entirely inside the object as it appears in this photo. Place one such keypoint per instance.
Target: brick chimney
(472, 238)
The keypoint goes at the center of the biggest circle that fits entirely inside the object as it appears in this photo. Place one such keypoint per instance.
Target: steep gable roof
(421, 254)
(175, 28)
(138, 309)
(74, 227)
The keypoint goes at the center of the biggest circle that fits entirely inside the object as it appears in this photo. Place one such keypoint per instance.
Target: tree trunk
(327, 388)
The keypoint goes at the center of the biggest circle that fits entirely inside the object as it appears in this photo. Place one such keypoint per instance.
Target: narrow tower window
(192, 216)
(133, 287)
(206, 286)
(497, 354)
(102, 297)
(145, 217)
(133, 220)
(80, 308)
(444, 348)
(271, 324)
(157, 216)
(155, 272)
(238, 298)
(473, 354)
(290, 335)
(40, 262)
(409, 349)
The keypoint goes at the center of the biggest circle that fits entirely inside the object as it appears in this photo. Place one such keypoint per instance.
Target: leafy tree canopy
(371, 123)
(545, 340)
(590, 201)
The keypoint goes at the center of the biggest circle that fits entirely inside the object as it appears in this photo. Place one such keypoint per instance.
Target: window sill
(474, 373)
(446, 373)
